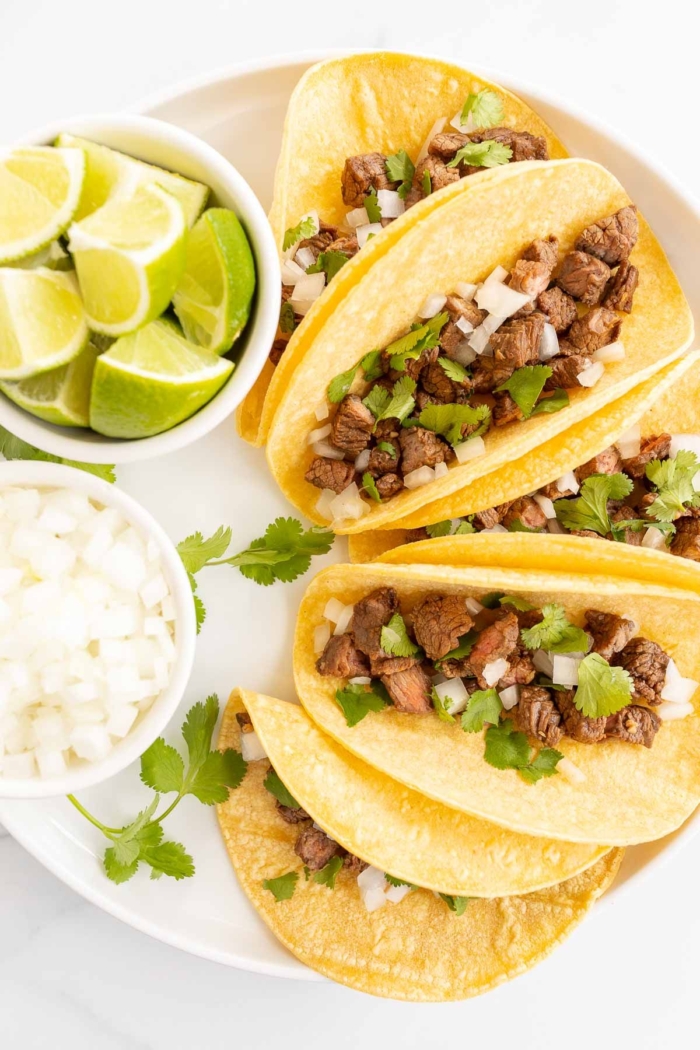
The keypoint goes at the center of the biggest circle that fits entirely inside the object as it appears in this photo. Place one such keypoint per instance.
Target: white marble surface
(71, 976)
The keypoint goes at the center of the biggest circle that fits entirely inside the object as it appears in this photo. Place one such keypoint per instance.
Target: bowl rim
(31, 474)
(261, 328)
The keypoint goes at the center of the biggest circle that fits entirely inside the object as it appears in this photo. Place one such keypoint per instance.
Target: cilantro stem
(109, 832)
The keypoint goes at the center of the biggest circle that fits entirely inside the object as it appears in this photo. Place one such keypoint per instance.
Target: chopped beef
(686, 541)
(451, 337)
(414, 365)
(515, 343)
(495, 642)
(388, 665)
(620, 290)
(523, 145)
(416, 535)
(292, 814)
(544, 250)
(633, 724)
(521, 669)
(440, 175)
(245, 722)
(611, 632)
(438, 384)
(656, 446)
(420, 448)
(537, 715)
(486, 519)
(353, 865)
(613, 238)
(466, 308)
(565, 371)
(446, 144)
(578, 726)
(315, 847)
(382, 462)
(529, 277)
(439, 622)
(409, 690)
(527, 513)
(633, 537)
(278, 348)
(341, 659)
(347, 245)
(552, 492)
(333, 474)
(559, 309)
(646, 662)
(369, 616)
(388, 430)
(608, 461)
(584, 277)
(361, 174)
(487, 374)
(353, 424)
(423, 400)
(321, 241)
(597, 328)
(505, 410)
(389, 485)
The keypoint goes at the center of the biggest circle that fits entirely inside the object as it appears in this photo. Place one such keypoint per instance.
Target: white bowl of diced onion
(97, 630)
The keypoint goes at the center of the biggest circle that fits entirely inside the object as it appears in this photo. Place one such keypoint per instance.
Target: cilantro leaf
(488, 154)
(525, 386)
(219, 771)
(448, 420)
(465, 646)
(370, 487)
(518, 603)
(485, 107)
(275, 786)
(377, 401)
(505, 747)
(589, 511)
(195, 551)
(12, 447)
(453, 370)
(395, 640)
(441, 528)
(673, 479)
(198, 729)
(393, 881)
(116, 871)
(356, 701)
(169, 858)
(456, 904)
(484, 706)
(328, 874)
(543, 765)
(602, 689)
(374, 212)
(287, 320)
(329, 263)
(162, 767)
(397, 405)
(200, 613)
(554, 633)
(283, 553)
(440, 706)
(282, 888)
(386, 446)
(427, 183)
(464, 528)
(400, 168)
(340, 384)
(371, 365)
(411, 346)
(306, 227)
(554, 403)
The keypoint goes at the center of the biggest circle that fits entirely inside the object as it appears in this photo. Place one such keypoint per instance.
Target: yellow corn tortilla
(399, 830)
(631, 793)
(667, 403)
(377, 102)
(416, 950)
(472, 232)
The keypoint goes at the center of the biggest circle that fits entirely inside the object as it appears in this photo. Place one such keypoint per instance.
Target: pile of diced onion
(86, 630)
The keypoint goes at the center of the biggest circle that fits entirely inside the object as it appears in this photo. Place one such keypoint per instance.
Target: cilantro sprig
(356, 701)
(525, 386)
(394, 638)
(400, 168)
(488, 154)
(456, 904)
(484, 707)
(448, 420)
(673, 480)
(421, 337)
(12, 447)
(554, 633)
(485, 108)
(397, 405)
(329, 263)
(507, 748)
(589, 511)
(306, 227)
(602, 690)
(208, 776)
(274, 785)
(372, 368)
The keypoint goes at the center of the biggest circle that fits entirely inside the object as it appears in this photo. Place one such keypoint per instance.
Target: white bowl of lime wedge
(145, 218)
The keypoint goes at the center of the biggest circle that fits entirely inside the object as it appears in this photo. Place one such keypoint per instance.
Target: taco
(374, 933)
(427, 388)
(533, 511)
(364, 142)
(550, 704)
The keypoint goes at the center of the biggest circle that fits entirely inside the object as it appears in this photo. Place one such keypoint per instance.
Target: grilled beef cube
(633, 724)
(631, 536)
(620, 289)
(321, 241)
(369, 616)
(565, 371)
(537, 715)
(686, 541)
(656, 446)
(446, 143)
(245, 722)
(451, 337)
(409, 690)
(486, 519)
(515, 343)
(496, 642)
(420, 448)
(353, 424)
(347, 245)
(611, 632)
(505, 410)
(353, 865)
(597, 328)
(529, 277)
(416, 535)
(608, 461)
(333, 474)
(584, 277)
(439, 622)
(315, 847)
(527, 512)
(613, 238)
(646, 662)
(559, 309)
(413, 366)
(388, 665)
(361, 174)
(521, 669)
(552, 492)
(544, 250)
(278, 348)
(466, 308)
(382, 462)
(340, 659)
(389, 485)
(578, 726)
(438, 384)
(488, 373)
(423, 400)
(440, 176)
(292, 814)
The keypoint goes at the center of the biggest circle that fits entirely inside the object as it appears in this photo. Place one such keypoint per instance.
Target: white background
(72, 977)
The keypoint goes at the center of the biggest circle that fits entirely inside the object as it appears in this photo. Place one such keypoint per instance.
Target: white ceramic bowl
(153, 722)
(170, 147)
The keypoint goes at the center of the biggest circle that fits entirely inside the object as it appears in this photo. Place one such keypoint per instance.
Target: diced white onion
(543, 662)
(464, 354)
(309, 287)
(362, 460)
(349, 505)
(292, 272)
(322, 448)
(494, 671)
(495, 528)
(591, 374)
(549, 343)
(654, 539)
(322, 411)
(421, 476)
(571, 771)
(492, 323)
(565, 669)
(611, 352)
(344, 620)
(319, 434)
(357, 217)
(555, 527)
(499, 274)
(453, 695)
(464, 325)
(497, 298)
(465, 290)
(301, 306)
(473, 606)
(363, 233)
(323, 504)
(677, 689)
(671, 712)
(333, 610)
(390, 204)
(441, 469)
(567, 482)
(372, 884)
(360, 680)
(630, 443)
(251, 747)
(479, 338)
(396, 894)
(509, 697)
(472, 448)
(305, 257)
(435, 130)
(689, 442)
(432, 306)
(322, 634)
(546, 505)
(464, 128)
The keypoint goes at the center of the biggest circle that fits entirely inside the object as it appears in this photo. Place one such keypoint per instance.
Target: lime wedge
(129, 256)
(52, 257)
(213, 298)
(108, 171)
(61, 396)
(42, 321)
(152, 380)
(39, 193)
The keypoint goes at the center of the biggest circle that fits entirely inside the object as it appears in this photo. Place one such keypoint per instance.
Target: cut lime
(129, 256)
(152, 380)
(61, 396)
(39, 194)
(42, 321)
(52, 257)
(109, 171)
(213, 298)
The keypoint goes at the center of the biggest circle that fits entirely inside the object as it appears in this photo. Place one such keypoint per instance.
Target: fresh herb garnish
(440, 706)
(673, 480)
(275, 786)
(398, 882)
(485, 107)
(518, 603)
(12, 447)
(340, 384)
(397, 405)
(374, 212)
(328, 874)
(544, 764)
(386, 446)
(507, 748)
(525, 386)
(400, 168)
(484, 707)
(427, 183)
(453, 370)
(411, 346)
(287, 320)
(465, 646)
(306, 227)
(448, 420)
(282, 888)
(464, 528)
(589, 511)
(394, 638)
(441, 528)
(456, 904)
(551, 403)
(554, 633)
(370, 487)
(356, 701)
(602, 689)
(371, 365)
(328, 263)
(489, 154)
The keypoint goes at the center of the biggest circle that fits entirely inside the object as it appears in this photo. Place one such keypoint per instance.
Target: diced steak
(486, 519)
(440, 175)
(529, 277)
(611, 632)
(361, 174)
(466, 308)
(578, 726)
(334, 474)
(381, 461)
(245, 722)
(369, 616)
(565, 371)
(438, 384)
(488, 373)
(559, 309)
(584, 277)
(353, 424)
(524, 145)
(451, 337)
(321, 241)
(292, 814)
(505, 410)
(633, 537)
(544, 250)
(646, 662)
(686, 541)
(496, 642)
(597, 328)
(613, 238)
(633, 724)
(608, 461)
(525, 512)
(656, 446)
(521, 669)
(420, 448)
(446, 143)
(537, 715)
(389, 485)
(315, 847)
(439, 622)
(388, 665)
(353, 865)
(515, 343)
(347, 245)
(409, 690)
(341, 659)
(620, 290)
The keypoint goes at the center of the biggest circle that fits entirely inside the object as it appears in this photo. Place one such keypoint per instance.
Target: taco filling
(378, 189)
(528, 676)
(487, 355)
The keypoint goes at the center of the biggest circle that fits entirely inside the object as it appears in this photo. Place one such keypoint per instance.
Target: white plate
(247, 637)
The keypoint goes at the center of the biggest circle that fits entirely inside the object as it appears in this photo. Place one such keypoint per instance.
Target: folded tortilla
(417, 950)
(630, 793)
(375, 102)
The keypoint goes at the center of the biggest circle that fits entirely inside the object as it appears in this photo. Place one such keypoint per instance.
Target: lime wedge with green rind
(42, 321)
(109, 171)
(215, 292)
(152, 380)
(40, 189)
(61, 396)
